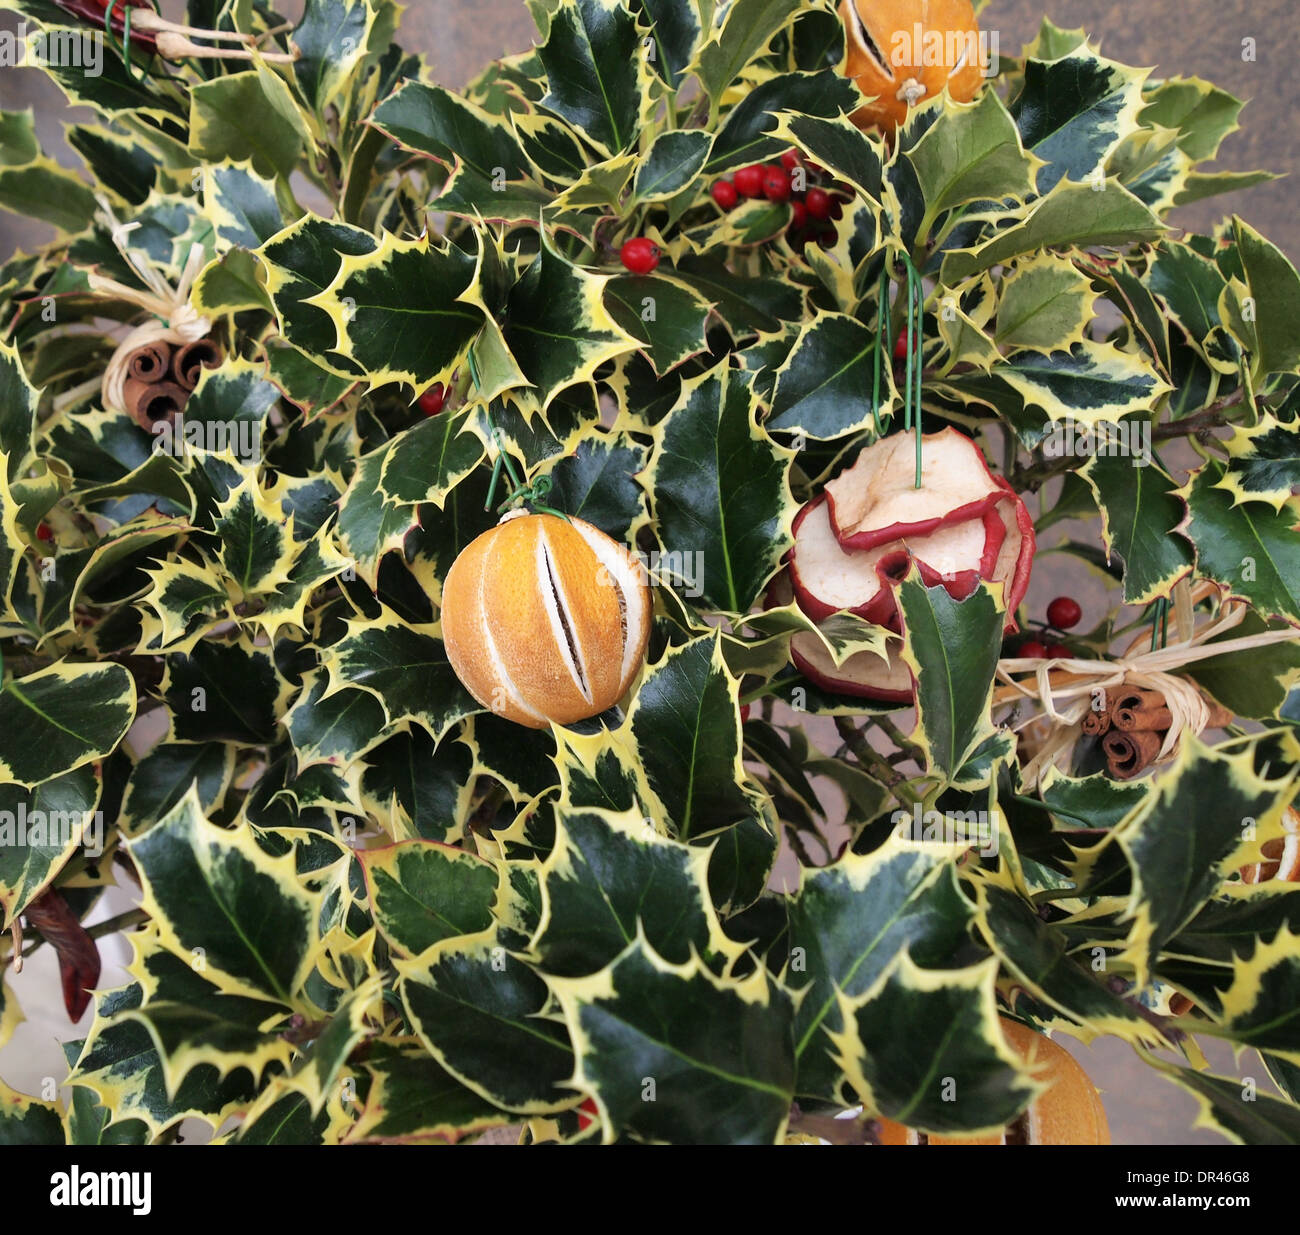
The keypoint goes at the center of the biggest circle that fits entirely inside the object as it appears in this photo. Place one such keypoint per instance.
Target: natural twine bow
(175, 319)
(1065, 688)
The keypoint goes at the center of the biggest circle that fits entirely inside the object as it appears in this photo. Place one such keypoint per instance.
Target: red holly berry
(1058, 651)
(818, 202)
(745, 709)
(588, 1113)
(799, 216)
(1064, 613)
(837, 208)
(790, 160)
(640, 256)
(43, 532)
(431, 402)
(900, 348)
(776, 184)
(724, 193)
(1033, 650)
(749, 180)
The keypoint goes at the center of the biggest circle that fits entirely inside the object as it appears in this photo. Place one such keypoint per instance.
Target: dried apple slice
(863, 675)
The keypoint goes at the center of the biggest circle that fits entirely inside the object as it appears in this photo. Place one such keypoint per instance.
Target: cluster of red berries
(1063, 613)
(813, 206)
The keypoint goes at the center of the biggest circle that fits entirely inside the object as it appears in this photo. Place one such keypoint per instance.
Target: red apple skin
(818, 609)
(1018, 586)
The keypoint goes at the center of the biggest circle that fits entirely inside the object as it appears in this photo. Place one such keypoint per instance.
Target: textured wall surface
(1175, 37)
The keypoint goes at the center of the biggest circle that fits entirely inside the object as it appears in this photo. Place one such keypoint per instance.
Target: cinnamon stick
(1128, 755)
(151, 362)
(1138, 710)
(190, 361)
(151, 403)
(1097, 723)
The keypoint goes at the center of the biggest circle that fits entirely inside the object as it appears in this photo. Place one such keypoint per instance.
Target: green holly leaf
(596, 71)
(1272, 286)
(28, 1121)
(217, 891)
(18, 400)
(596, 483)
(1254, 681)
(223, 691)
(1229, 1107)
(1263, 462)
(1252, 550)
(1259, 1008)
(924, 1048)
(422, 892)
(745, 32)
(43, 190)
(1140, 509)
(824, 388)
(673, 162)
(426, 463)
(242, 205)
(482, 1013)
(1090, 382)
(847, 922)
(1044, 303)
(667, 317)
(952, 648)
(61, 718)
(717, 479)
(714, 1054)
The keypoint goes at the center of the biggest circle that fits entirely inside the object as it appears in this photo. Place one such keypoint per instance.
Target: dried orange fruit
(902, 52)
(1069, 1112)
(546, 620)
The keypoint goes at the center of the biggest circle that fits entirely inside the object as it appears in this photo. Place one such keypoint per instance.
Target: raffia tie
(1065, 688)
(174, 321)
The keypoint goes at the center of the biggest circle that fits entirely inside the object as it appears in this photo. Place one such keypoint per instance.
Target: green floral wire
(126, 34)
(520, 492)
(915, 320)
(883, 340)
(1160, 624)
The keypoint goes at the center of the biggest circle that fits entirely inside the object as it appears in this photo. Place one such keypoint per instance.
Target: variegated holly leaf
(427, 462)
(282, 1115)
(422, 892)
(557, 327)
(673, 1053)
(1036, 956)
(483, 1014)
(1140, 509)
(217, 892)
(1208, 817)
(301, 262)
(747, 28)
(18, 399)
(1071, 214)
(1090, 382)
(28, 1121)
(611, 874)
(354, 1019)
(720, 486)
(1255, 681)
(248, 116)
(1231, 1106)
(597, 71)
(369, 523)
(952, 648)
(417, 790)
(405, 668)
(336, 728)
(841, 147)
(1263, 307)
(686, 728)
(847, 922)
(924, 1047)
(673, 162)
(303, 381)
(40, 829)
(242, 205)
(667, 317)
(164, 776)
(414, 1100)
(970, 154)
(61, 718)
(1043, 306)
(1263, 462)
(1073, 110)
(86, 1122)
(399, 313)
(1250, 549)
(224, 691)
(824, 389)
(596, 483)
(332, 41)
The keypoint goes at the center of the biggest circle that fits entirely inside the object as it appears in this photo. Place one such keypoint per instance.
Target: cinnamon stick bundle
(1139, 710)
(1128, 755)
(190, 361)
(151, 362)
(1097, 723)
(151, 403)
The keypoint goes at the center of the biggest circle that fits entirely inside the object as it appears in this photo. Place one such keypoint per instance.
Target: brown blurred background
(1175, 37)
